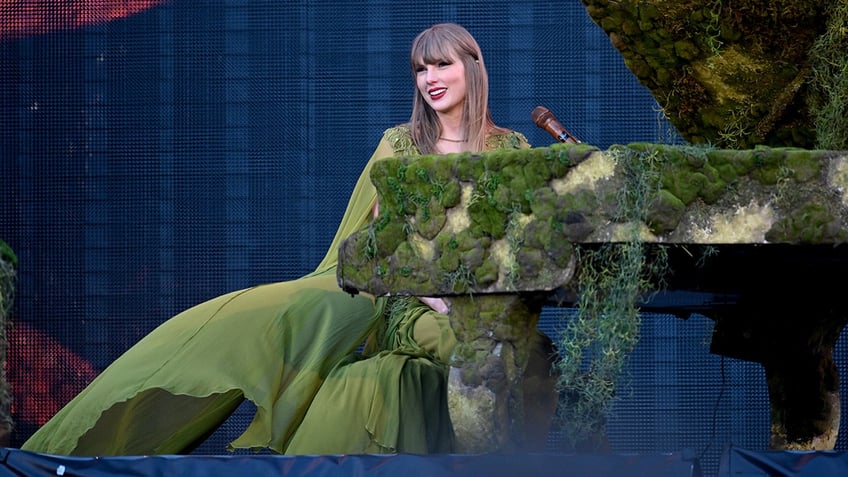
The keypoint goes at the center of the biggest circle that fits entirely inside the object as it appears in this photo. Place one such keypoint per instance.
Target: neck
(450, 126)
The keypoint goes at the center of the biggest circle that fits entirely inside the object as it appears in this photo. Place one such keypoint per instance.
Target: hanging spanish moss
(829, 96)
(611, 282)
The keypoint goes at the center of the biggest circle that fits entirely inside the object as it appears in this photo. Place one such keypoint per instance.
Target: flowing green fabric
(289, 348)
(396, 399)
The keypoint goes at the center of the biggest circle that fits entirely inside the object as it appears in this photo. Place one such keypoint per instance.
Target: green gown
(289, 348)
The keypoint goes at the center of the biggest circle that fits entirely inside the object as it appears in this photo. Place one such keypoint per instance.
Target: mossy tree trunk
(485, 394)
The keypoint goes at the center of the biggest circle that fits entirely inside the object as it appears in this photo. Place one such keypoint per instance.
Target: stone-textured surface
(485, 396)
(465, 223)
(509, 223)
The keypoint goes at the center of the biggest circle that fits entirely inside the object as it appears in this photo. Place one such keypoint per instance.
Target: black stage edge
(738, 462)
(16, 462)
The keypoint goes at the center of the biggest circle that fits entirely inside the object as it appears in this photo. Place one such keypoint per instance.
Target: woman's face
(442, 85)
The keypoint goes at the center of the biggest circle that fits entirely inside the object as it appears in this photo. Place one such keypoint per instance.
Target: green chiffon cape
(289, 348)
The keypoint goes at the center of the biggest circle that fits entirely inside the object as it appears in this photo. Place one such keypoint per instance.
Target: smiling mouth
(437, 93)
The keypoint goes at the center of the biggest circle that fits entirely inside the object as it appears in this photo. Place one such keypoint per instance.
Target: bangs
(432, 48)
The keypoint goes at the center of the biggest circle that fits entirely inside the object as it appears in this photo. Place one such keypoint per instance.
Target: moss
(391, 234)
(447, 242)
(536, 172)
(356, 270)
(392, 171)
(8, 275)
(505, 199)
(575, 228)
(685, 185)
(688, 176)
(537, 233)
(380, 271)
(731, 163)
(768, 165)
(459, 280)
(521, 194)
(560, 251)
(829, 81)
(804, 164)
(686, 50)
(714, 186)
(473, 258)
(430, 220)
(487, 219)
(437, 168)
(543, 202)
(461, 256)
(451, 194)
(747, 55)
(664, 212)
(809, 223)
(487, 273)
(469, 167)
(644, 184)
(448, 261)
(549, 234)
(582, 200)
(578, 153)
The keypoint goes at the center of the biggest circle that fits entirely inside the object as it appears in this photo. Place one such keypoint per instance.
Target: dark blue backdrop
(159, 160)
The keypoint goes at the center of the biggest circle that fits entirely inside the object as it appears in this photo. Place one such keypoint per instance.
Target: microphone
(544, 118)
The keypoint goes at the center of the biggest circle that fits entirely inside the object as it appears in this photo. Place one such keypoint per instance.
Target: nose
(432, 75)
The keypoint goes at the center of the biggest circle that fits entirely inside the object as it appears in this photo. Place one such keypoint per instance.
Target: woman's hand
(436, 304)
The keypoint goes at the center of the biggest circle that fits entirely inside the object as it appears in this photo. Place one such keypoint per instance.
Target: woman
(281, 344)
(396, 399)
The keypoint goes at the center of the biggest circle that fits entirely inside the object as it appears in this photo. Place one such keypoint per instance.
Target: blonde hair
(449, 41)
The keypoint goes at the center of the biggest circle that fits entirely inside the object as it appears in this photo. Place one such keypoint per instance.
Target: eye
(445, 63)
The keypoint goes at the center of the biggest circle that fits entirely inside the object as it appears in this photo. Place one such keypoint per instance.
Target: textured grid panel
(675, 395)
